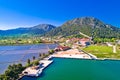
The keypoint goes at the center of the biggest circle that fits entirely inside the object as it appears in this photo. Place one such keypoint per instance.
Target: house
(79, 41)
(84, 42)
(62, 48)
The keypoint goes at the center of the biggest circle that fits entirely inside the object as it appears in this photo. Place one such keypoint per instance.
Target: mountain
(87, 25)
(36, 30)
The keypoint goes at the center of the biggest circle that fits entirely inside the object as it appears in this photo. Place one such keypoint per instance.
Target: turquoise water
(74, 69)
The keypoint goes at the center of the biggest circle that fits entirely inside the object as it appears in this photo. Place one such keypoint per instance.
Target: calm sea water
(74, 69)
(21, 52)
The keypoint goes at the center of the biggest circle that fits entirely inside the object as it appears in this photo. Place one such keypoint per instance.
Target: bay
(76, 69)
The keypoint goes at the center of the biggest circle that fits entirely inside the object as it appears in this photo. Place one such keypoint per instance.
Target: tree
(4, 77)
(43, 55)
(28, 61)
(36, 62)
(33, 58)
(39, 54)
(51, 51)
(12, 73)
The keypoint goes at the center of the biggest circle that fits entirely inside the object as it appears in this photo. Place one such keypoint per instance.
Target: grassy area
(102, 51)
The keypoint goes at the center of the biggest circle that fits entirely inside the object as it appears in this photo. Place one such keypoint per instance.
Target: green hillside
(88, 26)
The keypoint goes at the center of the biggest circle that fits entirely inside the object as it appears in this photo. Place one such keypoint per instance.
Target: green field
(102, 51)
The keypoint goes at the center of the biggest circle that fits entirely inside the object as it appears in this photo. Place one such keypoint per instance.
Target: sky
(28, 13)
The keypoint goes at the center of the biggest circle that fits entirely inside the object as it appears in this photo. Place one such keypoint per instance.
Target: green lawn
(102, 51)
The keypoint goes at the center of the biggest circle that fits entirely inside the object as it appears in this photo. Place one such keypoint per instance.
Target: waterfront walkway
(35, 71)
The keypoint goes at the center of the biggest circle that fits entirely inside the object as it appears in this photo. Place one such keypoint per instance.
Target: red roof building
(62, 48)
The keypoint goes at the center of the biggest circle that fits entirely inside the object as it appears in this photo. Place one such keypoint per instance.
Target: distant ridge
(35, 30)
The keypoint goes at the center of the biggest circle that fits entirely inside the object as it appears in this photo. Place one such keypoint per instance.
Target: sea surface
(76, 69)
(13, 54)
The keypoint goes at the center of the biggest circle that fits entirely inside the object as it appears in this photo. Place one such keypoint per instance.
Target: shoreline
(89, 54)
(112, 59)
(53, 43)
(99, 59)
(56, 55)
(51, 57)
(22, 44)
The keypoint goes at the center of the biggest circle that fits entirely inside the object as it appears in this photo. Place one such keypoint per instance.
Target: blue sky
(27, 13)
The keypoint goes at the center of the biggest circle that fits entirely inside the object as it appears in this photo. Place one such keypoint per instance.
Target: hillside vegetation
(87, 25)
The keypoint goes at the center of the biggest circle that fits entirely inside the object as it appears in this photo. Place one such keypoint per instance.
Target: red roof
(63, 47)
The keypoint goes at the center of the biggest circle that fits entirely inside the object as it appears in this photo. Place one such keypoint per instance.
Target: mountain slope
(36, 30)
(88, 26)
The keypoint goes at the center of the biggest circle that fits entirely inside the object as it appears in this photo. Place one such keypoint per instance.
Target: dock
(36, 71)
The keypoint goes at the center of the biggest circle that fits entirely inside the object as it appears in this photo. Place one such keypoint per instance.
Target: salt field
(20, 54)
